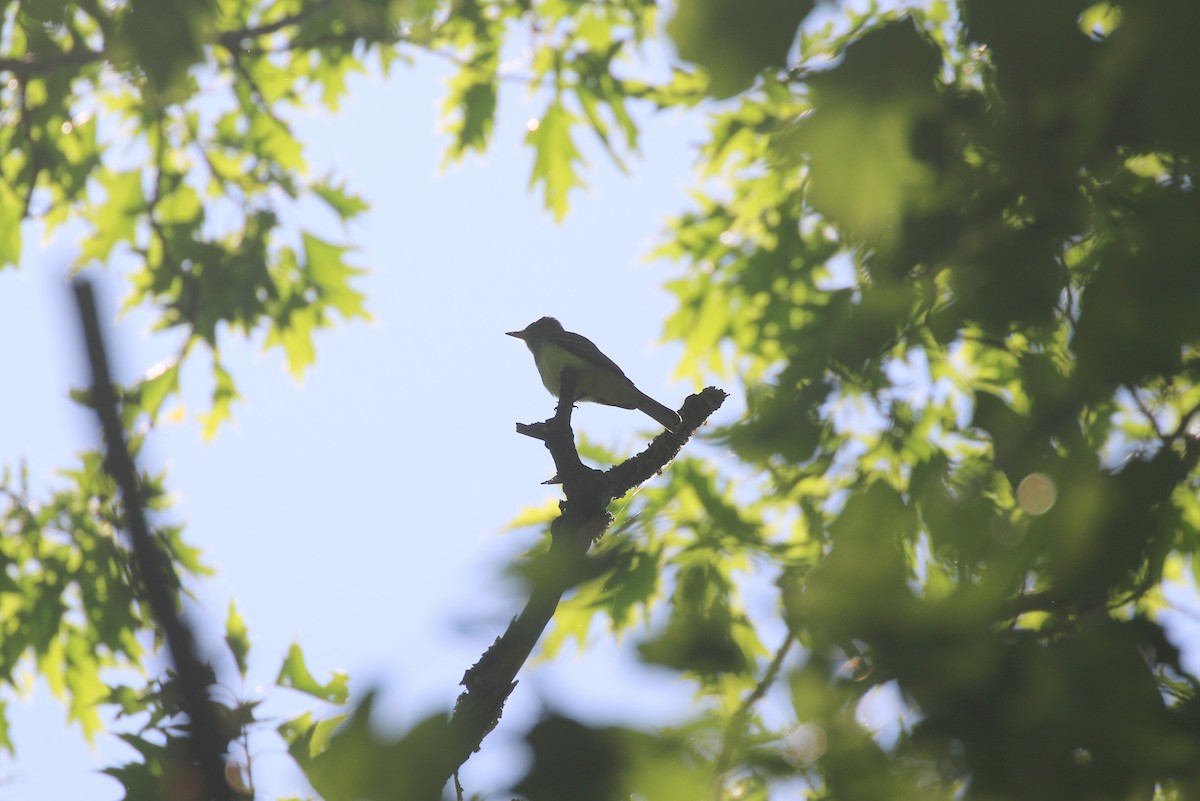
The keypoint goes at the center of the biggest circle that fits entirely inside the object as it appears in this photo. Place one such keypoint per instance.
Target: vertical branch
(491, 680)
(206, 741)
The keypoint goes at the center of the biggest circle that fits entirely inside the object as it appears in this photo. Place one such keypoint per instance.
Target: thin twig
(737, 721)
(231, 39)
(1149, 415)
(1185, 422)
(264, 105)
(28, 65)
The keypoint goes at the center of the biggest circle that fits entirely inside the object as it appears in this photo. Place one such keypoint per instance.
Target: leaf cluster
(68, 606)
(951, 269)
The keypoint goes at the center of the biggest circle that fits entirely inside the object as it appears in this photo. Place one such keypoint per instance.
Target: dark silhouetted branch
(207, 742)
(583, 520)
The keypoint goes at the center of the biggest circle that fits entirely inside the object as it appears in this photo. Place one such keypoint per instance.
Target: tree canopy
(947, 253)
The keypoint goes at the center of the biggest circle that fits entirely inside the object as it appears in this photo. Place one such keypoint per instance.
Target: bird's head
(537, 331)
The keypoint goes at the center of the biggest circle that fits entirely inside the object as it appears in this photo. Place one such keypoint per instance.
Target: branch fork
(584, 518)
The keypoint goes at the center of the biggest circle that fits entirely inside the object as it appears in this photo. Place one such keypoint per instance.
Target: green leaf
(86, 690)
(571, 760)
(6, 743)
(700, 635)
(294, 674)
(181, 206)
(535, 516)
(224, 394)
(589, 102)
(12, 210)
(359, 763)
(307, 739)
(128, 699)
(344, 203)
(555, 157)
(469, 111)
(331, 277)
(165, 39)
(331, 75)
(237, 638)
(160, 382)
(295, 335)
(632, 586)
(860, 138)
(115, 220)
(735, 40)
(272, 140)
(52, 663)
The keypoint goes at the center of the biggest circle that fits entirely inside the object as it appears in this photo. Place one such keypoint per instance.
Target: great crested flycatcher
(597, 377)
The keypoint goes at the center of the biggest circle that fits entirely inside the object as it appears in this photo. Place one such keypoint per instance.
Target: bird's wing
(584, 348)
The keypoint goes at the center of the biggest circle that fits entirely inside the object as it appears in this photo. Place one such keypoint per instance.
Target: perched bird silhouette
(597, 377)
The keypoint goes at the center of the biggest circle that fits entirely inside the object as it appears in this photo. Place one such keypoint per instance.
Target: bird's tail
(667, 418)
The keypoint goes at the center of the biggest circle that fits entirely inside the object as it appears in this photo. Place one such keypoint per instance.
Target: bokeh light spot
(805, 744)
(1037, 493)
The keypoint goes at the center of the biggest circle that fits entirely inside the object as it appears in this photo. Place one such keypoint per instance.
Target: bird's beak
(518, 334)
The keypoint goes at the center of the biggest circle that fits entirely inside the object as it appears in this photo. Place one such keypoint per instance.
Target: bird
(598, 379)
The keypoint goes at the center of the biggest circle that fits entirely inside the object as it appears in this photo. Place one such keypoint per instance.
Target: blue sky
(362, 512)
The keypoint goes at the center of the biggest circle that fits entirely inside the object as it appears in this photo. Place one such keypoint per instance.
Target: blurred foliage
(950, 255)
(949, 251)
